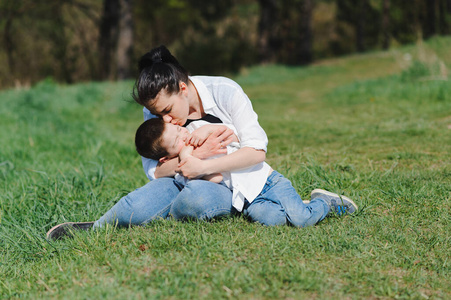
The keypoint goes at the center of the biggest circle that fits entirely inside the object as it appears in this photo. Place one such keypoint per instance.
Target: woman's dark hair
(158, 70)
(148, 139)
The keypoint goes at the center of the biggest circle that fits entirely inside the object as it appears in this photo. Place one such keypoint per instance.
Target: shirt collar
(204, 93)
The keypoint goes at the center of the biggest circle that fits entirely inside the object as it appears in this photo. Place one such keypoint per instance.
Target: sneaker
(338, 203)
(67, 229)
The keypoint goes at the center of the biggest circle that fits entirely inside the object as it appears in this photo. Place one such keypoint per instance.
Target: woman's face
(172, 108)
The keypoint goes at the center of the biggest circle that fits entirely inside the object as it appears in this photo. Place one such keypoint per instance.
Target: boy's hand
(198, 136)
(215, 144)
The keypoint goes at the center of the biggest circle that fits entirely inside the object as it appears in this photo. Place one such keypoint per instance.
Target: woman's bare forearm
(240, 159)
(166, 169)
(193, 167)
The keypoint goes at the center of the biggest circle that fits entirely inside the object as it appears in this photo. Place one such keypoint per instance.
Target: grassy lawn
(375, 127)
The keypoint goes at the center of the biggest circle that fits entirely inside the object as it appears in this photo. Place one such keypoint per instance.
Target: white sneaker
(338, 203)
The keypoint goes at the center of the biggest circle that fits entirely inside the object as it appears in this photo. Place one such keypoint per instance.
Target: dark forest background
(82, 40)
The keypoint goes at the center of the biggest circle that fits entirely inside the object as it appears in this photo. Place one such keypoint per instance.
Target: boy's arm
(198, 136)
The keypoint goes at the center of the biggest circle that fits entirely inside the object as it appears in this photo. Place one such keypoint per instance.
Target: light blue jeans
(163, 197)
(280, 204)
(277, 204)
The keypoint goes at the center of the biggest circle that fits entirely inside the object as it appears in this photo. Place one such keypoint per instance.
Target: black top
(208, 118)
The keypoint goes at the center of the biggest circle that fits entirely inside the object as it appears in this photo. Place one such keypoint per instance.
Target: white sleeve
(245, 120)
(149, 165)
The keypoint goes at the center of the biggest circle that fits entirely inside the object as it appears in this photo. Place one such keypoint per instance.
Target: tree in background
(125, 41)
(60, 43)
(82, 40)
(116, 40)
(363, 18)
(211, 37)
(9, 12)
(300, 40)
(268, 39)
(437, 19)
(285, 31)
(385, 24)
(45, 38)
(109, 32)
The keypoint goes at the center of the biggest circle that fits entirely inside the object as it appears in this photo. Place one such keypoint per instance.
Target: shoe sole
(71, 226)
(321, 191)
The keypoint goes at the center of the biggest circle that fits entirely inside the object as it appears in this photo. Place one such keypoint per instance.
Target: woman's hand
(215, 144)
(191, 167)
(166, 169)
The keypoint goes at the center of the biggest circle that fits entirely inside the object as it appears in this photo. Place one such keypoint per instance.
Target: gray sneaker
(340, 204)
(67, 229)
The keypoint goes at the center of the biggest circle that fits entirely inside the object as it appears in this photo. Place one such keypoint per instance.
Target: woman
(165, 90)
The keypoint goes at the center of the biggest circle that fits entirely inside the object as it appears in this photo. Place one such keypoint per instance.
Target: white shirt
(225, 99)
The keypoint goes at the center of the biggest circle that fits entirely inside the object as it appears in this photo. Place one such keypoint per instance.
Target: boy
(161, 141)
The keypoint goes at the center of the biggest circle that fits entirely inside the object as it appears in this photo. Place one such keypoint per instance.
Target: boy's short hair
(148, 139)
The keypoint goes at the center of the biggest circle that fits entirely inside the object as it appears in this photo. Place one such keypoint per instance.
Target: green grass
(376, 127)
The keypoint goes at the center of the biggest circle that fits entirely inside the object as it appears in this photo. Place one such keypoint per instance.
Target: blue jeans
(279, 204)
(163, 197)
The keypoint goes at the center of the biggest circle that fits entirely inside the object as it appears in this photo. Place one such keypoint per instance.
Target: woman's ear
(183, 87)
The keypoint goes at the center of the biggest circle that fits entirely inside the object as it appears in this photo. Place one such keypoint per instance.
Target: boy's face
(173, 139)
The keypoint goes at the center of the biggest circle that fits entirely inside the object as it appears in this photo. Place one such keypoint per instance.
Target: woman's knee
(201, 199)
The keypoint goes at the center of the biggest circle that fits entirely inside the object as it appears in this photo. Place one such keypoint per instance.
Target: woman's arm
(166, 169)
(192, 167)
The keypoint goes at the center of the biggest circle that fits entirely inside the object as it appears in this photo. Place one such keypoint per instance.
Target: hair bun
(156, 55)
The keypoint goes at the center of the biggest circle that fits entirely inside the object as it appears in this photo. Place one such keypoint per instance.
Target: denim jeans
(279, 204)
(163, 197)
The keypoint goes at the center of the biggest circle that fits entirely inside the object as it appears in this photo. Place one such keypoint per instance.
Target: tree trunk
(443, 23)
(430, 26)
(60, 45)
(360, 26)
(266, 30)
(304, 48)
(9, 45)
(386, 24)
(125, 40)
(109, 30)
